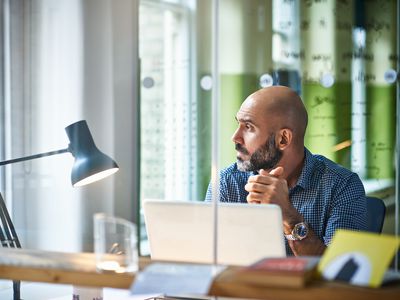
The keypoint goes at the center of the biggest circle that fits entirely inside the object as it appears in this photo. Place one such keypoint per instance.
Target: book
(291, 272)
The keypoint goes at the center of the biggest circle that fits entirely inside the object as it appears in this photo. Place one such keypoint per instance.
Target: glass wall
(340, 56)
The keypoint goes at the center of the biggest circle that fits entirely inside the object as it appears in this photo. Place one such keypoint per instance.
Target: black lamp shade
(90, 163)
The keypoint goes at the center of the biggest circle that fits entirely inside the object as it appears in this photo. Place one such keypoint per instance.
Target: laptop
(182, 231)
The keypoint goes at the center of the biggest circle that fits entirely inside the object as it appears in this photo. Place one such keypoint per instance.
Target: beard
(266, 157)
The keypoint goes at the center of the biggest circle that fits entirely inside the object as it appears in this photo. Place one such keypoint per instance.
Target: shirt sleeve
(209, 193)
(223, 189)
(348, 209)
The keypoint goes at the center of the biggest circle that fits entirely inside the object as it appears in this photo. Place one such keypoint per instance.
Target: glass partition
(340, 56)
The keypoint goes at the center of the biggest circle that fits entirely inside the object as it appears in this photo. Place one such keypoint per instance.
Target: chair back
(376, 210)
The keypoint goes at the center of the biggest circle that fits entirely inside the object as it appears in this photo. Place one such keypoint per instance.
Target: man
(316, 195)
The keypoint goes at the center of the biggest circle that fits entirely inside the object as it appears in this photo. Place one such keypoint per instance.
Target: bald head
(281, 108)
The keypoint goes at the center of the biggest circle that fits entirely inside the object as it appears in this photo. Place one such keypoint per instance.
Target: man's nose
(237, 137)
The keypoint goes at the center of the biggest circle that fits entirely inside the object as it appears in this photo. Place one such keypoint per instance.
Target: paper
(360, 258)
(175, 279)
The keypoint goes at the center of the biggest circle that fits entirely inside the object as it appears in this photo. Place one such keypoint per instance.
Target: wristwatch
(299, 232)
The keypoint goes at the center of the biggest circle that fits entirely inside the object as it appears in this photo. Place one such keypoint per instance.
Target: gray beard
(244, 166)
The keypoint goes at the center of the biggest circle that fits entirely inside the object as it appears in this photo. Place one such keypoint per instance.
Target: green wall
(329, 113)
(381, 131)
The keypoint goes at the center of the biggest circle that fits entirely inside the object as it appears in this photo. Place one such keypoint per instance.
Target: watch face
(301, 230)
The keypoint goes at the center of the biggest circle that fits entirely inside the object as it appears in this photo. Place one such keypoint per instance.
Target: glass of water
(115, 244)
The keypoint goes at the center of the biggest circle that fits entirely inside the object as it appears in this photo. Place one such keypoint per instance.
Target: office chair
(376, 210)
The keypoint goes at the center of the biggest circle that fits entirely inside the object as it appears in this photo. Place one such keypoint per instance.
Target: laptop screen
(183, 231)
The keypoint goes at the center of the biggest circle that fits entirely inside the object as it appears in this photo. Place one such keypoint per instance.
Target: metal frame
(9, 239)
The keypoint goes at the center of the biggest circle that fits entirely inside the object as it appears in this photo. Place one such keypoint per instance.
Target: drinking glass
(115, 244)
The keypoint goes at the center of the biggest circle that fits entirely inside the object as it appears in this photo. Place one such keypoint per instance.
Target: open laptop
(183, 231)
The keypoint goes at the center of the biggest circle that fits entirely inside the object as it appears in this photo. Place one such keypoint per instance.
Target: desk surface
(80, 269)
(57, 267)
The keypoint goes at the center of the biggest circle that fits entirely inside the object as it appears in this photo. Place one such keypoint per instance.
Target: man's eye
(248, 126)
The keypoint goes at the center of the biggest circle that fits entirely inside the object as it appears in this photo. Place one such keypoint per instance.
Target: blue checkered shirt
(327, 195)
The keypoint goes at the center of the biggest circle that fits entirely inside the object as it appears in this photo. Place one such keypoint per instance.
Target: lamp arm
(10, 161)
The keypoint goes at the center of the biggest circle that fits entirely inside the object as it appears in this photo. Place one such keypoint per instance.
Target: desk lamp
(90, 165)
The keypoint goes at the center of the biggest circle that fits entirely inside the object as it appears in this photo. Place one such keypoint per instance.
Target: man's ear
(285, 138)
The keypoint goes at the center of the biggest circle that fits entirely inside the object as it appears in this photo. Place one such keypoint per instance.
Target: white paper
(175, 279)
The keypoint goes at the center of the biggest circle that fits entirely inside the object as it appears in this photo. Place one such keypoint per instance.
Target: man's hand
(272, 188)
(267, 187)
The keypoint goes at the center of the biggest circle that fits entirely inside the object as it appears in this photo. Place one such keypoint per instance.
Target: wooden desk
(226, 286)
(80, 269)
(58, 267)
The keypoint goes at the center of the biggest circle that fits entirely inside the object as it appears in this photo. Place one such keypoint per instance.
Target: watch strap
(290, 237)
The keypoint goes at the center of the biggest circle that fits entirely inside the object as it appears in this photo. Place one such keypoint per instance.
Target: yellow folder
(360, 258)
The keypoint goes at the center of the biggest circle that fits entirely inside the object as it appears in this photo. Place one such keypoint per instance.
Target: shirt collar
(304, 180)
